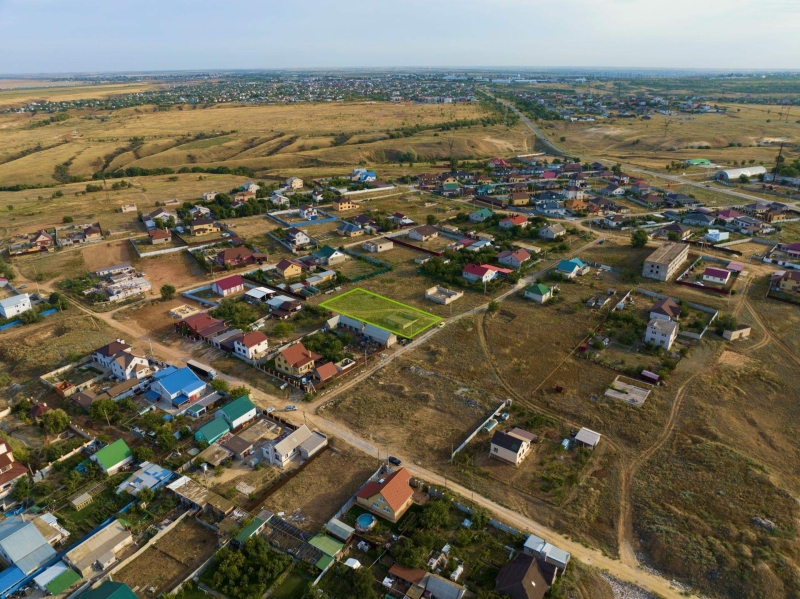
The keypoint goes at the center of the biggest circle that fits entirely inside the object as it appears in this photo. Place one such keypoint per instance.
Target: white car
(269, 410)
(291, 408)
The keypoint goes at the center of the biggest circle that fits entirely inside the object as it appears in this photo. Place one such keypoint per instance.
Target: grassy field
(18, 92)
(381, 311)
(648, 143)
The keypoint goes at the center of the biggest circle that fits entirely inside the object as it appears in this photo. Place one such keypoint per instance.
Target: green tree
(142, 453)
(67, 219)
(431, 219)
(494, 306)
(167, 292)
(145, 495)
(165, 438)
(220, 385)
(435, 514)
(22, 489)
(239, 391)
(57, 300)
(55, 421)
(104, 410)
(639, 238)
(363, 583)
(73, 480)
(283, 329)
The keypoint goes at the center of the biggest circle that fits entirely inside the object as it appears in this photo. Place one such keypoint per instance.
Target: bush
(67, 219)
(167, 292)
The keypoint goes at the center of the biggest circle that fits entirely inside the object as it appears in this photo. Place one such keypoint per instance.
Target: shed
(339, 530)
(212, 430)
(587, 438)
(238, 412)
(328, 545)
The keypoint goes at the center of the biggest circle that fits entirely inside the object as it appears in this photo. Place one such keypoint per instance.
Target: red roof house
(388, 497)
(228, 285)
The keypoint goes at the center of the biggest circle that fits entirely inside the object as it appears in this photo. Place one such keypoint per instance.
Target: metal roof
(24, 544)
(113, 454)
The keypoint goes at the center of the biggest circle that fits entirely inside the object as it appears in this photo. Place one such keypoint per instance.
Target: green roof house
(110, 590)
(113, 457)
(326, 255)
(212, 431)
(237, 413)
(538, 293)
(480, 215)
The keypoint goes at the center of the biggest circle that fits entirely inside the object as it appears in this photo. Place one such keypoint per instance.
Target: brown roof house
(665, 309)
(525, 578)
(296, 360)
(159, 236)
(388, 497)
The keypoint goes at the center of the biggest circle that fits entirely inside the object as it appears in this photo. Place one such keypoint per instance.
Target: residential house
(209, 196)
(665, 309)
(496, 163)
(377, 245)
(308, 212)
(250, 186)
(550, 555)
(789, 281)
(294, 183)
(615, 221)
(699, 219)
(728, 215)
(751, 225)
(148, 476)
(665, 261)
(203, 226)
(539, 293)
(525, 577)
(640, 188)
(474, 246)
(519, 198)
(212, 431)
(677, 229)
(423, 233)
(576, 205)
(613, 190)
(362, 175)
(159, 236)
(130, 364)
(238, 412)
(41, 239)
(551, 208)
(661, 332)
(252, 345)
(328, 256)
(296, 360)
(680, 200)
(574, 192)
(159, 216)
(238, 256)
(652, 200)
(112, 458)
(15, 305)
(177, 385)
(513, 258)
(349, 230)
(341, 205)
(571, 268)
(719, 276)
(288, 269)
(478, 273)
(302, 442)
(716, 236)
(106, 354)
(10, 471)
(279, 200)
(480, 215)
(401, 220)
(553, 231)
(228, 286)
(258, 295)
(512, 446)
(97, 553)
(200, 326)
(516, 220)
(22, 546)
(297, 238)
(389, 497)
(198, 211)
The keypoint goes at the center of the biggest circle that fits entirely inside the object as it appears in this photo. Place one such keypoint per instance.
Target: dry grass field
(318, 491)
(18, 92)
(170, 560)
(647, 143)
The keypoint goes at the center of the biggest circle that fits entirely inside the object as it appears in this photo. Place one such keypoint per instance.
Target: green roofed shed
(326, 544)
(324, 562)
(113, 457)
(212, 430)
(255, 525)
(62, 582)
(110, 590)
(238, 412)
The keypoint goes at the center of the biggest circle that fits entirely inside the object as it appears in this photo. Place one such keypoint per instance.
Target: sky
(79, 36)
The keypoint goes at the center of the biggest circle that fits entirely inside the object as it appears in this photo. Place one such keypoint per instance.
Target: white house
(719, 276)
(511, 447)
(129, 364)
(15, 305)
(298, 238)
(423, 233)
(303, 443)
(294, 183)
(308, 212)
(553, 231)
(252, 346)
(539, 293)
(475, 273)
(661, 332)
(238, 412)
(715, 235)
(209, 195)
(250, 186)
(228, 285)
(199, 211)
(278, 199)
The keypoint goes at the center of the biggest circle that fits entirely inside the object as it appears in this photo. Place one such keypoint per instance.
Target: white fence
(502, 407)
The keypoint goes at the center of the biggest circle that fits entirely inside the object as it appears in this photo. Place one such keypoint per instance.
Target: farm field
(317, 492)
(172, 558)
(381, 311)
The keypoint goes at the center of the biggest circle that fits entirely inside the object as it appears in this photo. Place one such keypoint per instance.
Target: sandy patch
(731, 358)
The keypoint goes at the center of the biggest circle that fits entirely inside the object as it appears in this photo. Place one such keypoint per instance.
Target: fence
(502, 407)
(318, 221)
(414, 247)
(282, 242)
(348, 194)
(382, 271)
(706, 309)
(183, 248)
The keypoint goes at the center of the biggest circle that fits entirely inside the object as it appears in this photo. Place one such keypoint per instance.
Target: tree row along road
(674, 178)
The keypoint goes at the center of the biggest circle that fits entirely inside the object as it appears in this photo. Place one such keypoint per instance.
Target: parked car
(394, 461)
(291, 408)
(269, 410)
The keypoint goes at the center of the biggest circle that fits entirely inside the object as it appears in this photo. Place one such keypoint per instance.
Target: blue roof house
(178, 385)
(571, 268)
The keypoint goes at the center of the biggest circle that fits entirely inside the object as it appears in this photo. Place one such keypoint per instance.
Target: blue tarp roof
(152, 395)
(183, 381)
(10, 577)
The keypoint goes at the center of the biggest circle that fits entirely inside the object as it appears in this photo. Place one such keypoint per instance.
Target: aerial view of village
(362, 333)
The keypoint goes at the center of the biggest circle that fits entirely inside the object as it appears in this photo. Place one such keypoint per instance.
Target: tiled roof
(394, 489)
